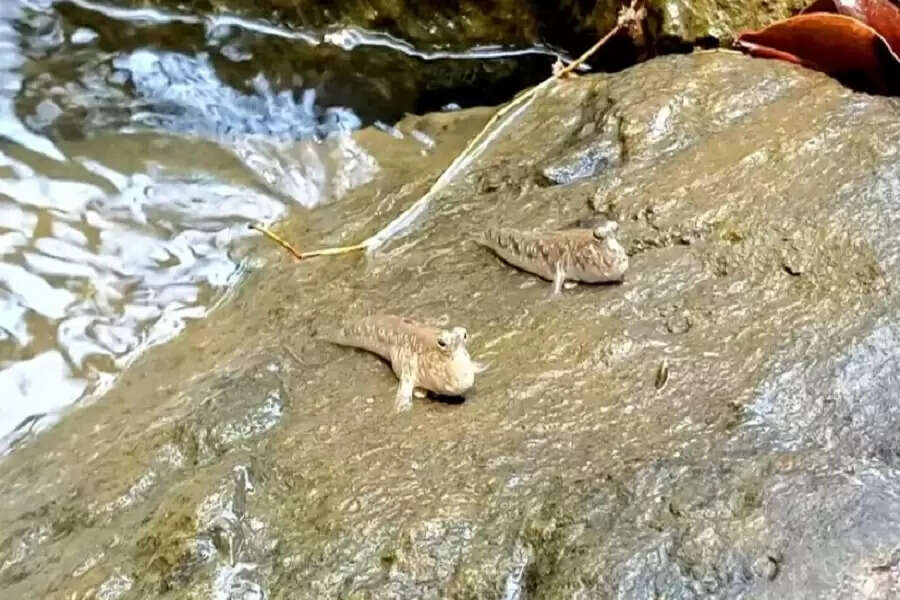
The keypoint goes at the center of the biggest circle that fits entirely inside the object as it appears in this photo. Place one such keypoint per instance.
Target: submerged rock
(758, 202)
(249, 73)
(572, 25)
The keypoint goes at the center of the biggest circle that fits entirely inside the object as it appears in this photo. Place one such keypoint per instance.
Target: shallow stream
(135, 147)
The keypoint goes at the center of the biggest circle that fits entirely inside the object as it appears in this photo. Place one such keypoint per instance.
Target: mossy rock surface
(758, 201)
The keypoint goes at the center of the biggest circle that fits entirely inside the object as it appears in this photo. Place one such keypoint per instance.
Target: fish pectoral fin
(407, 385)
(404, 394)
(559, 277)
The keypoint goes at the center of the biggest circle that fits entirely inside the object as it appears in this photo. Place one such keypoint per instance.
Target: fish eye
(461, 333)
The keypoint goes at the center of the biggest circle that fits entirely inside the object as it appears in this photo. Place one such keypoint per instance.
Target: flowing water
(135, 148)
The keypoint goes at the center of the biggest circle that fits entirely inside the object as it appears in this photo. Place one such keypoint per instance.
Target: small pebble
(83, 35)
(765, 567)
(235, 53)
(47, 111)
(662, 375)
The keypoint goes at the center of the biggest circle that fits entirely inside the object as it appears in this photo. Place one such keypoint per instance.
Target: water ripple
(187, 96)
(113, 245)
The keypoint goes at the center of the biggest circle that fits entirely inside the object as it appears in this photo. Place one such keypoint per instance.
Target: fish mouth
(467, 381)
(460, 384)
(453, 377)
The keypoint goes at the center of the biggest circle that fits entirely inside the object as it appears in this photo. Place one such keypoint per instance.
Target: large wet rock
(759, 202)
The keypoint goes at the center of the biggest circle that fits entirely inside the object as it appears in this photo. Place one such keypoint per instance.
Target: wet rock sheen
(758, 202)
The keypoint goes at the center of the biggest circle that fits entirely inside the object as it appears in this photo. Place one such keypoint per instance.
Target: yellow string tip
(278, 240)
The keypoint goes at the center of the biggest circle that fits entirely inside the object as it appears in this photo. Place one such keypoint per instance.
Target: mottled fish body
(421, 356)
(582, 255)
(379, 334)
